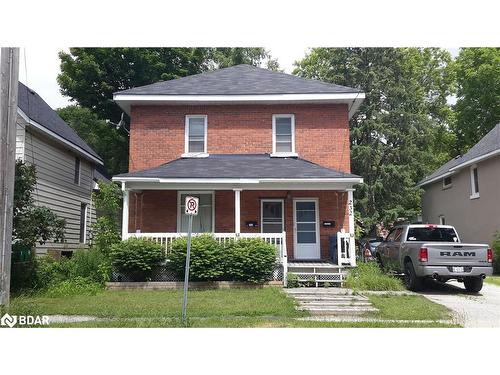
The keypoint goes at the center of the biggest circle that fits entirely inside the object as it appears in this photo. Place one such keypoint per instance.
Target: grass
(250, 322)
(241, 308)
(163, 304)
(408, 307)
(368, 276)
(495, 280)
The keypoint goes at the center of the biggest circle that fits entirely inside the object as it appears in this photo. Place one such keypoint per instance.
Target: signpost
(192, 204)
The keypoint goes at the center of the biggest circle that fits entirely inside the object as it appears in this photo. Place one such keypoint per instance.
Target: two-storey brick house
(267, 153)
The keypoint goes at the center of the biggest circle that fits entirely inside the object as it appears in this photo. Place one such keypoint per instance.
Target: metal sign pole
(186, 273)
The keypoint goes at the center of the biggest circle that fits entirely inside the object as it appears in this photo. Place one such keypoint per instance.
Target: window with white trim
(196, 134)
(283, 134)
(447, 182)
(474, 182)
(204, 221)
(78, 166)
(83, 222)
(272, 216)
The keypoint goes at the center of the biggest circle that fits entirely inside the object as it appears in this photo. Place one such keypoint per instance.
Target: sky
(39, 67)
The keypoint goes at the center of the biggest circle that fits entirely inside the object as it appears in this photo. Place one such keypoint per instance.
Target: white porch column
(237, 211)
(125, 212)
(352, 243)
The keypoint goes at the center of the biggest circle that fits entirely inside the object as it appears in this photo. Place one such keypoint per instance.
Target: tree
(32, 224)
(105, 231)
(109, 143)
(90, 76)
(478, 98)
(225, 57)
(393, 133)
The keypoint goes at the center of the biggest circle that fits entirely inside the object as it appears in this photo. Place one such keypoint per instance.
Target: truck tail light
(490, 256)
(424, 256)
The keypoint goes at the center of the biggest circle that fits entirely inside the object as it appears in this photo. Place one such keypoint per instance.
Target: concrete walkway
(469, 310)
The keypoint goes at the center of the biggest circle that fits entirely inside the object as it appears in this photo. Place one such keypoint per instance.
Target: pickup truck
(434, 251)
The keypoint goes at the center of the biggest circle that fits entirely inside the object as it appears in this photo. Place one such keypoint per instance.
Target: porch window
(272, 216)
(196, 134)
(203, 222)
(284, 135)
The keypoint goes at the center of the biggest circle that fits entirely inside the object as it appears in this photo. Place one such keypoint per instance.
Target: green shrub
(206, 261)
(77, 286)
(368, 276)
(496, 254)
(92, 264)
(249, 259)
(136, 257)
(49, 271)
(292, 280)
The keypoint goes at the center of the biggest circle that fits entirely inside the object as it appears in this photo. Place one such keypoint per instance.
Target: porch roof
(238, 166)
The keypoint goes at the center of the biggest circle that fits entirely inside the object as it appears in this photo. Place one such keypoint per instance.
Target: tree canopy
(397, 134)
(109, 143)
(478, 98)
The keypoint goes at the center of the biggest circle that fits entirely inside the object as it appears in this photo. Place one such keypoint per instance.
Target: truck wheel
(412, 281)
(473, 284)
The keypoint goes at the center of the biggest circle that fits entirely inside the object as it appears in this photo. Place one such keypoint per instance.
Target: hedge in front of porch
(250, 260)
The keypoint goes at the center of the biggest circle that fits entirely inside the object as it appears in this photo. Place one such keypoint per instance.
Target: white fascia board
(236, 180)
(57, 137)
(125, 100)
(476, 160)
(440, 177)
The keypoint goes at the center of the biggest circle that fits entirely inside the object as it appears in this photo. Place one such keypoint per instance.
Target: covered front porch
(308, 216)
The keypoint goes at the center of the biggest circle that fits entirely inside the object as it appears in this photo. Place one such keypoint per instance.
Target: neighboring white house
(465, 192)
(65, 167)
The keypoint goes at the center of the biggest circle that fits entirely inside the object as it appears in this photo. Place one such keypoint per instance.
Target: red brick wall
(321, 132)
(159, 212)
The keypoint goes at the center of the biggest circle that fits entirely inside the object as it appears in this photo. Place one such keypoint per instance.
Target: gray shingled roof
(239, 166)
(489, 143)
(39, 111)
(239, 80)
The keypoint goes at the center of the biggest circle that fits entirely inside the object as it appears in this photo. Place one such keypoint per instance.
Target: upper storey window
(284, 135)
(196, 135)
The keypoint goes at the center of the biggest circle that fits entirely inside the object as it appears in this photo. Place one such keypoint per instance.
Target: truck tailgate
(456, 254)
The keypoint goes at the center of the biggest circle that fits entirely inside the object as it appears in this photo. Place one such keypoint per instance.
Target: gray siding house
(65, 167)
(465, 192)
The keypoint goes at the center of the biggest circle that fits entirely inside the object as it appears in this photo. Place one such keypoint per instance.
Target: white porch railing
(276, 239)
(346, 249)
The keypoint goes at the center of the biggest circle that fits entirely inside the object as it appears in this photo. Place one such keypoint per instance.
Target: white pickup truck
(435, 251)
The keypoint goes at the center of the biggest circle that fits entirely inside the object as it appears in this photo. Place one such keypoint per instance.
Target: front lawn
(495, 280)
(267, 307)
(163, 304)
(408, 307)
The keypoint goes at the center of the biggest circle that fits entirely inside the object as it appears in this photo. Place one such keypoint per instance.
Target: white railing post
(284, 258)
(125, 212)
(237, 210)
(352, 242)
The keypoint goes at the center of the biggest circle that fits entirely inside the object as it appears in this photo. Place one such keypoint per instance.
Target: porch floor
(312, 264)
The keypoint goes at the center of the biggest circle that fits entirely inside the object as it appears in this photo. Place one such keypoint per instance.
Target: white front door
(306, 229)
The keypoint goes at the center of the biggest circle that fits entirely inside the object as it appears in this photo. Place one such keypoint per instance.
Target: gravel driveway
(470, 310)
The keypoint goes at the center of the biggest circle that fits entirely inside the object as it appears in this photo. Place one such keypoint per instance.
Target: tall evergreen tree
(400, 133)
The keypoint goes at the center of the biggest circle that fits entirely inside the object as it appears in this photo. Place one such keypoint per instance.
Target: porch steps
(330, 302)
(318, 273)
